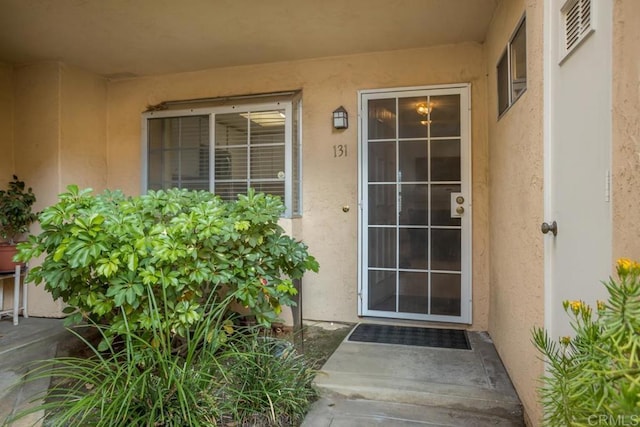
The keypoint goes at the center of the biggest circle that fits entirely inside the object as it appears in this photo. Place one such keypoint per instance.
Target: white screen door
(415, 216)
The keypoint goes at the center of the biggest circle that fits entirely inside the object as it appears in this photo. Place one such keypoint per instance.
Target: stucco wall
(6, 123)
(626, 130)
(328, 183)
(59, 138)
(83, 126)
(516, 204)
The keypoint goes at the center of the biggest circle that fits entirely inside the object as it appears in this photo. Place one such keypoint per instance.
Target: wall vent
(577, 18)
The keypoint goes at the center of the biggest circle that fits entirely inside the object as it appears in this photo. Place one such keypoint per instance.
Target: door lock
(460, 200)
(459, 210)
(546, 227)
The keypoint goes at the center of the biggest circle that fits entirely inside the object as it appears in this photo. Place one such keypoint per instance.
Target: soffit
(147, 37)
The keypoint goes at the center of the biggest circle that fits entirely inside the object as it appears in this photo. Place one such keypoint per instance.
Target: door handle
(546, 227)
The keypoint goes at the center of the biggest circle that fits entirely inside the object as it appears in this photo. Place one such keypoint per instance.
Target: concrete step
(336, 411)
(357, 386)
(428, 385)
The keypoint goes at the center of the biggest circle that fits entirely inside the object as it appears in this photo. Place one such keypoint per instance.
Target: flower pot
(7, 253)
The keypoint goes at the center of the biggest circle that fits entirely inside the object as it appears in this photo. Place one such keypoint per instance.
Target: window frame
(291, 107)
(507, 54)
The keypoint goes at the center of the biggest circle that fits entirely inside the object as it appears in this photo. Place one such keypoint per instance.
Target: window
(576, 25)
(226, 149)
(512, 69)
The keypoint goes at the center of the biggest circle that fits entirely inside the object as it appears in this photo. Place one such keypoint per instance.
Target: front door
(415, 216)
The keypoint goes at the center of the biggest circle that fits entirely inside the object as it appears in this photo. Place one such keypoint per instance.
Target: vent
(577, 23)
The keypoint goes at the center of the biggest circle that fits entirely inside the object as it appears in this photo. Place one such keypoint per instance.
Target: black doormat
(405, 335)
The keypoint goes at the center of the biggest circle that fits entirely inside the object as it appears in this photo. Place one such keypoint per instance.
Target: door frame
(466, 300)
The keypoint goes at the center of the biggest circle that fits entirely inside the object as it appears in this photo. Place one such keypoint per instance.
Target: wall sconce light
(340, 118)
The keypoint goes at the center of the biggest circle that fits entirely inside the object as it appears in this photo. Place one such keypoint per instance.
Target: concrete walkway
(31, 340)
(365, 384)
(361, 384)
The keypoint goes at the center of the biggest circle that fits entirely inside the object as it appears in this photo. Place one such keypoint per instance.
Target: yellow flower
(576, 306)
(565, 340)
(600, 305)
(623, 266)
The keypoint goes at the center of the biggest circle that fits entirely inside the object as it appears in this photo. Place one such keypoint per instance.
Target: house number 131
(340, 150)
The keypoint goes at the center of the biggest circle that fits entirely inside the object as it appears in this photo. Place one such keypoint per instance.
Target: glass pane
(445, 115)
(194, 132)
(267, 127)
(413, 161)
(295, 148)
(382, 162)
(230, 190)
(441, 205)
(267, 162)
(382, 204)
(503, 83)
(273, 188)
(415, 206)
(382, 247)
(414, 292)
(519, 61)
(382, 290)
(222, 164)
(194, 166)
(196, 185)
(414, 248)
(154, 172)
(445, 160)
(382, 118)
(234, 163)
(231, 129)
(413, 117)
(155, 132)
(171, 167)
(445, 294)
(445, 250)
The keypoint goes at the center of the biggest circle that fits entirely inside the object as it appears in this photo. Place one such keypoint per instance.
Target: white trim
(144, 154)
(549, 30)
(463, 90)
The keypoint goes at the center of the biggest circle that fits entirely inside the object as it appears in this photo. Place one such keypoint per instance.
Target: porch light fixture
(340, 118)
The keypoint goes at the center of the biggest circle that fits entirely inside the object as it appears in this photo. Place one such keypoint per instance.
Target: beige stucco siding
(328, 183)
(59, 139)
(626, 130)
(516, 204)
(6, 123)
(83, 122)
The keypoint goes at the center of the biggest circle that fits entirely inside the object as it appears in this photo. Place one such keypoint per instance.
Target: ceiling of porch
(126, 38)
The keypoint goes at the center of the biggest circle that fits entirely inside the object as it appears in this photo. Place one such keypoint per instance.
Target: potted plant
(15, 218)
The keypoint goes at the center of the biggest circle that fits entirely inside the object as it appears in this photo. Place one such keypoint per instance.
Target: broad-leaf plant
(102, 253)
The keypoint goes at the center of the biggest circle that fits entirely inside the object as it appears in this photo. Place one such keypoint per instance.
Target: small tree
(594, 377)
(103, 251)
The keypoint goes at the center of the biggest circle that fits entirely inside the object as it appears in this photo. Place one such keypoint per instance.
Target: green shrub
(224, 375)
(594, 377)
(103, 251)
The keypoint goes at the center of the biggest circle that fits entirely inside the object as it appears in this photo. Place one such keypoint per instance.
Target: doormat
(406, 335)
